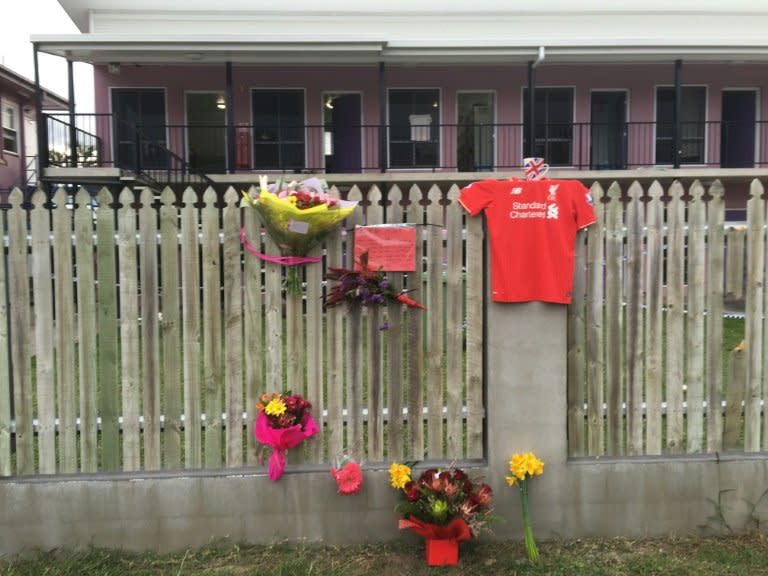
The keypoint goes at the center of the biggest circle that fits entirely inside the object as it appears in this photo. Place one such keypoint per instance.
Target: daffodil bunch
(523, 467)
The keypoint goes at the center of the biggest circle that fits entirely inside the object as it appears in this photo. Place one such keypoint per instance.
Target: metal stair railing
(162, 160)
(149, 160)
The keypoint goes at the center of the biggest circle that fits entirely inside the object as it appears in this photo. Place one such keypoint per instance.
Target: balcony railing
(170, 148)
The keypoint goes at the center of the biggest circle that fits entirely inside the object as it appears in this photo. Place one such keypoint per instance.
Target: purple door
(345, 130)
(738, 129)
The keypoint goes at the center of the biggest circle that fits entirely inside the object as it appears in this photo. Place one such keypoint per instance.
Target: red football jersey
(532, 226)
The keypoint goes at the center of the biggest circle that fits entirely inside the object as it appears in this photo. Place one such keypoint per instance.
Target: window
(553, 124)
(10, 124)
(140, 128)
(691, 125)
(278, 129)
(414, 128)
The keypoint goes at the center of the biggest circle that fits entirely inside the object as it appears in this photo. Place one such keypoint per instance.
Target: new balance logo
(515, 191)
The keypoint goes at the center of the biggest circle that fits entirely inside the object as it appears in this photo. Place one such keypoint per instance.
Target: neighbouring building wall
(11, 139)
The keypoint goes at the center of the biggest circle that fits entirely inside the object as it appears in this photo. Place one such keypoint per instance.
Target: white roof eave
(104, 48)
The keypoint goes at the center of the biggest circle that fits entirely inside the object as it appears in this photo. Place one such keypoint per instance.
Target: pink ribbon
(281, 260)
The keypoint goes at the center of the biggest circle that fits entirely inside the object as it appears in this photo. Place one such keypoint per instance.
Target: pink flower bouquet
(283, 422)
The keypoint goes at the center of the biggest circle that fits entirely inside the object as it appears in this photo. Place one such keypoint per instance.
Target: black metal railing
(173, 152)
(87, 148)
(138, 149)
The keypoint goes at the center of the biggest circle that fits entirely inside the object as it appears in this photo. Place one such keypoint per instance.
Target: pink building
(18, 152)
(421, 86)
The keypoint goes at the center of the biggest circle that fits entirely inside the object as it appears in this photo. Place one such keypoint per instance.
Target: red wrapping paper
(281, 439)
(457, 530)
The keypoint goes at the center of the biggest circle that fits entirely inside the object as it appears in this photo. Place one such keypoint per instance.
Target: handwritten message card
(390, 248)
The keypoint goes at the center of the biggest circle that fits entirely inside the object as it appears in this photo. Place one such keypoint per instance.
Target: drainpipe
(382, 119)
(530, 123)
(72, 128)
(230, 120)
(678, 113)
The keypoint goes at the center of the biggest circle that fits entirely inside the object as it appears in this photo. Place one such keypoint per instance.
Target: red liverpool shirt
(532, 226)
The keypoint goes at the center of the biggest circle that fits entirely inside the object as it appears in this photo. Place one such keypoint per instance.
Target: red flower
(349, 477)
(484, 495)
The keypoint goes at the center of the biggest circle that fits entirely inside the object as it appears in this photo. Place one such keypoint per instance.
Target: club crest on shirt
(552, 193)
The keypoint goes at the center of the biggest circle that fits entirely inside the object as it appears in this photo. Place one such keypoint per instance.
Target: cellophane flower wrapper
(282, 439)
(297, 231)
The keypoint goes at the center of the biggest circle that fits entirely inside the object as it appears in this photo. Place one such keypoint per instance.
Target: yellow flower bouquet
(522, 468)
(297, 216)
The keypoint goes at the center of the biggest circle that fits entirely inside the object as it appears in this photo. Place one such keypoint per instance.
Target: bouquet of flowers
(283, 421)
(366, 286)
(444, 506)
(523, 467)
(297, 216)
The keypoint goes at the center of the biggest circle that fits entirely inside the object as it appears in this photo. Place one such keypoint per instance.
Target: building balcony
(173, 152)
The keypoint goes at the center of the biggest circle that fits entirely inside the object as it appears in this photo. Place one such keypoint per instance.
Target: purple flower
(384, 326)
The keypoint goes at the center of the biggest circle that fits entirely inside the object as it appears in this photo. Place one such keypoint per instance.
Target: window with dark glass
(414, 128)
(140, 128)
(691, 125)
(278, 129)
(553, 124)
(10, 124)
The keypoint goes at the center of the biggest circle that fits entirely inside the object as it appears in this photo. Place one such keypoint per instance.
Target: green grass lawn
(732, 556)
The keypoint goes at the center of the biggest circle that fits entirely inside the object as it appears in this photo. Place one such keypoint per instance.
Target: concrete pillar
(526, 406)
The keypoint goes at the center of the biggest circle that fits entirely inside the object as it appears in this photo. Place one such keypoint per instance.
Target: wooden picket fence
(645, 336)
(140, 337)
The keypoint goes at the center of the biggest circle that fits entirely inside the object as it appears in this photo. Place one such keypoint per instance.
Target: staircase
(171, 169)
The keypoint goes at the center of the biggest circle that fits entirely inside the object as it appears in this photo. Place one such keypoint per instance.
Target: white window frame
(705, 151)
(432, 129)
(14, 107)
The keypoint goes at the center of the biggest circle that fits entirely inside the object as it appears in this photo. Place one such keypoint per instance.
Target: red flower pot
(442, 552)
(442, 541)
